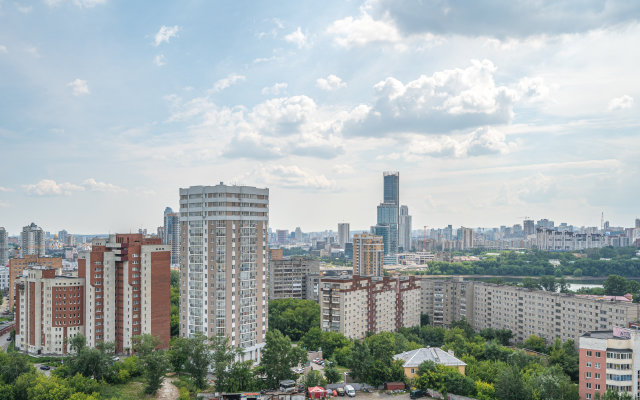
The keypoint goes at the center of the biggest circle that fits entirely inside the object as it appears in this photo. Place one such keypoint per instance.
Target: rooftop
(414, 358)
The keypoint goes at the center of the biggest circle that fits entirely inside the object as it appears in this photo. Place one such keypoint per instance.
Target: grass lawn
(133, 390)
(341, 370)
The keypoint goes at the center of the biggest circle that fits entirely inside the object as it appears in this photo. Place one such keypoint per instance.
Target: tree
(312, 340)
(549, 283)
(424, 319)
(49, 388)
(509, 385)
(331, 372)
(12, 365)
(279, 357)
(314, 378)
(198, 359)
(89, 362)
(154, 361)
(222, 358)
(178, 353)
(615, 285)
(535, 343)
(293, 317)
(361, 361)
(531, 283)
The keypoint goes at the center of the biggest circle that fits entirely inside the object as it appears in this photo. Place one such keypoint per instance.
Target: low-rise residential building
(356, 305)
(49, 311)
(412, 359)
(609, 360)
(294, 278)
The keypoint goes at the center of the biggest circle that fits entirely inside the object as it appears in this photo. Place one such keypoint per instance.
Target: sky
(492, 111)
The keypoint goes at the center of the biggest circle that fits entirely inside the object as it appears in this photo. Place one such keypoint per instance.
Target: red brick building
(127, 289)
(18, 265)
(49, 309)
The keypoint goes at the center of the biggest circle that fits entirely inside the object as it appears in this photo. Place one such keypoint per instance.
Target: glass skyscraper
(388, 211)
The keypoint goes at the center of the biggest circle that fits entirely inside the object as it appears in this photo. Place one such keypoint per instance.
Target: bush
(184, 394)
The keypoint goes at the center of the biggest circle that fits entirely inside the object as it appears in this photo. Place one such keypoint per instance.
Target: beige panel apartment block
(446, 301)
(549, 315)
(357, 305)
(368, 255)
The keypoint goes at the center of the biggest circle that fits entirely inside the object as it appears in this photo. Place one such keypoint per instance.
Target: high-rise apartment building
(529, 227)
(404, 229)
(18, 265)
(466, 241)
(294, 278)
(4, 278)
(609, 360)
(388, 211)
(223, 264)
(282, 236)
(368, 255)
(355, 305)
(4, 247)
(171, 234)
(343, 234)
(637, 222)
(298, 235)
(446, 301)
(126, 290)
(32, 241)
(552, 240)
(49, 311)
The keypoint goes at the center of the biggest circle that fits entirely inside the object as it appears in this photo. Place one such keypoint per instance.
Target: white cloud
(534, 89)
(165, 33)
(445, 101)
(359, 31)
(230, 80)
(4, 189)
(332, 82)
(49, 187)
(3, 49)
(289, 176)
(33, 51)
(24, 9)
(79, 87)
(79, 3)
(620, 103)
(95, 186)
(160, 60)
(276, 89)
(297, 37)
(482, 141)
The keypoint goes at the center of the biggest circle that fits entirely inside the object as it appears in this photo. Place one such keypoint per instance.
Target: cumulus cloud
(297, 37)
(49, 187)
(276, 89)
(620, 103)
(93, 185)
(534, 89)
(445, 101)
(482, 141)
(78, 3)
(363, 29)
(332, 82)
(79, 87)
(160, 60)
(230, 80)
(504, 18)
(164, 34)
(289, 176)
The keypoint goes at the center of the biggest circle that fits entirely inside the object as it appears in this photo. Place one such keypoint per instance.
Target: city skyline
(490, 114)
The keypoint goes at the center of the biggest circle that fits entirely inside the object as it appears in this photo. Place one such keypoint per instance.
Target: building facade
(552, 240)
(32, 241)
(446, 301)
(343, 234)
(126, 290)
(294, 278)
(368, 255)
(4, 247)
(18, 265)
(466, 241)
(223, 268)
(609, 360)
(4, 278)
(355, 305)
(404, 229)
(171, 234)
(49, 310)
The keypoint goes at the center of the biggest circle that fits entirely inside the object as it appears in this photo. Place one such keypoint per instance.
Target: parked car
(417, 393)
(45, 367)
(9, 339)
(351, 392)
(340, 391)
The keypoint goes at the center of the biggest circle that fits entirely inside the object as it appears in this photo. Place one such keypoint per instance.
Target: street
(4, 342)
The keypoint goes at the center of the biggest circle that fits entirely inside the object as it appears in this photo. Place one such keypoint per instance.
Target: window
(597, 365)
(588, 385)
(597, 354)
(588, 375)
(588, 353)
(588, 364)
(588, 396)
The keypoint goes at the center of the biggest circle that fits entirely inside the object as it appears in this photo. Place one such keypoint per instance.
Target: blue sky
(491, 110)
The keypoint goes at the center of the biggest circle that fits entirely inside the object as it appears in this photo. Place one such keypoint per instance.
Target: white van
(350, 391)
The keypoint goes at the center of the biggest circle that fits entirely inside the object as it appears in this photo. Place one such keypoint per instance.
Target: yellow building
(412, 360)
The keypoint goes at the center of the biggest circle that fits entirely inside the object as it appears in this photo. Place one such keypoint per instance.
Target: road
(4, 342)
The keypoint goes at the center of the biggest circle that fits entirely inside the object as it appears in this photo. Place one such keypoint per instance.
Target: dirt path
(168, 391)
